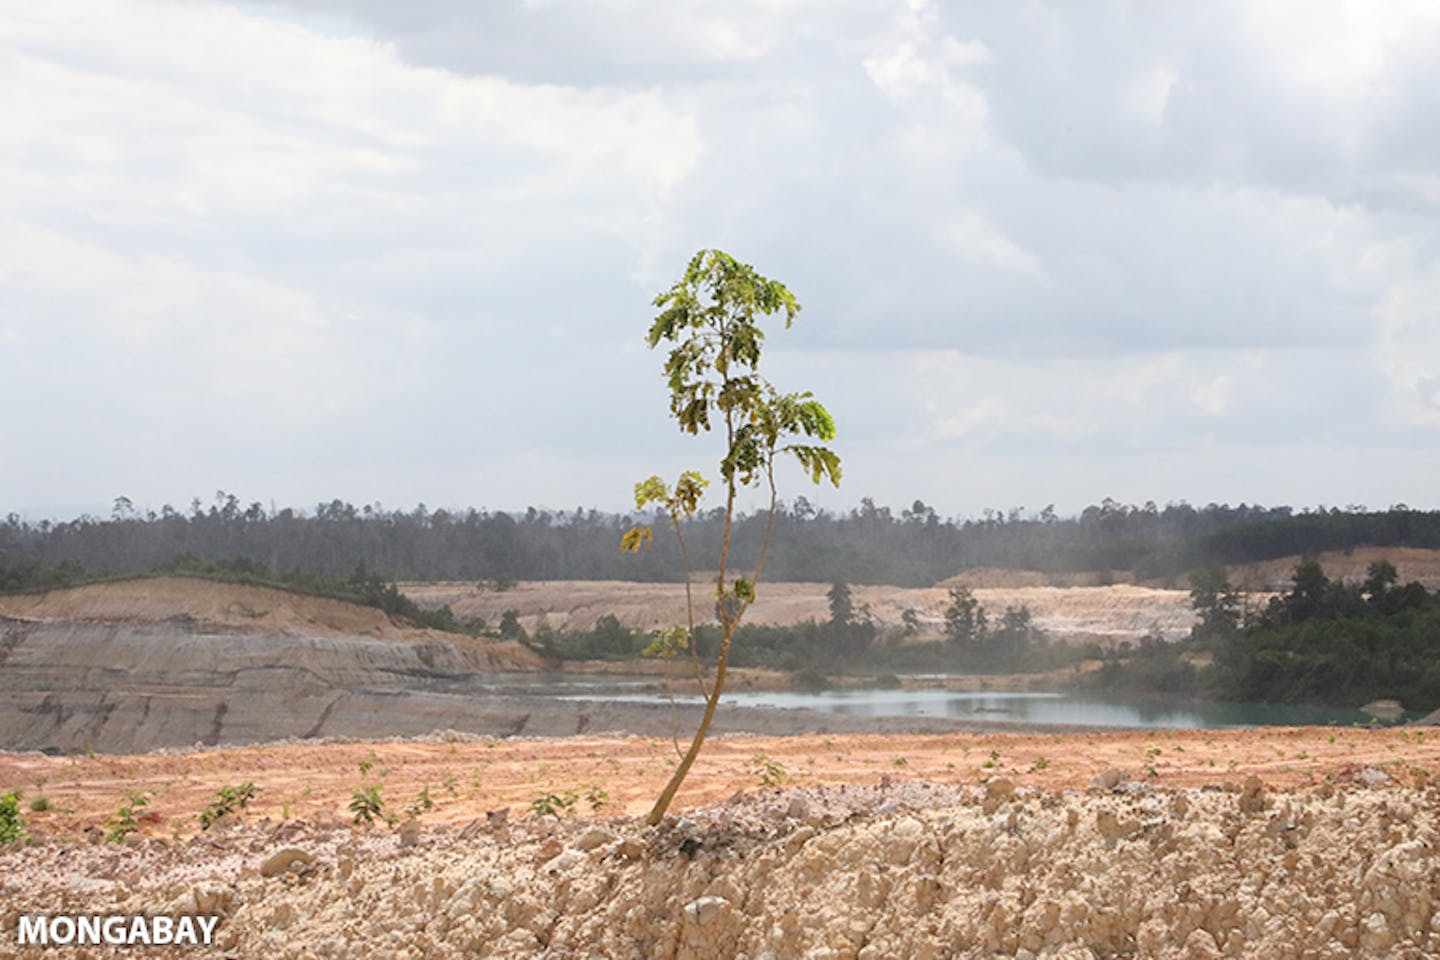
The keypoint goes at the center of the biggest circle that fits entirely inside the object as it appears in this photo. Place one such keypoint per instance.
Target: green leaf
(637, 538)
(820, 462)
(650, 490)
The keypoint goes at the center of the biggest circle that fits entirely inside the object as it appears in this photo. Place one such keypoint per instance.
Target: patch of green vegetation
(126, 820)
(366, 805)
(228, 801)
(12, 823)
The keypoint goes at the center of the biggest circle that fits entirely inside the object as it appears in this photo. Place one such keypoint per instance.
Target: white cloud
(1053, 237)
(1407, 349)
(974, 237)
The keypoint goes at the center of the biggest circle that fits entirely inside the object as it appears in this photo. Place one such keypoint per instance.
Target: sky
(1047, 252)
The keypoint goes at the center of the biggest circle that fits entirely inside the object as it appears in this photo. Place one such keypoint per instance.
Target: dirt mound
(230, 606)
(1351, 566)
(901, 870)
(1109, 615)
(1010, 578)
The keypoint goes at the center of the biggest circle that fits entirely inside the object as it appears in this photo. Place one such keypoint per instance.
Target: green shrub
(228, 800)
(12, 824)
(125, 821)
(554, 804)
(366, 805)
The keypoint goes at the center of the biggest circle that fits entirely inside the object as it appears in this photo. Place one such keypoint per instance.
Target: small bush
(126, 821)
(772, 773)
(554, 804)
(421, 803)
(366, 805)
(228, 800)
(12, 824)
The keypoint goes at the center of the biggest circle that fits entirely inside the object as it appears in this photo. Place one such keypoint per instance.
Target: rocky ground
(1266, 843)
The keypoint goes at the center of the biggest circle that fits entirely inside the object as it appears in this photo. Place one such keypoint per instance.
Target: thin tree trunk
(662, 803)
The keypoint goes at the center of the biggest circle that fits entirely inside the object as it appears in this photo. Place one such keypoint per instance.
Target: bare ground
(944, 846)
(308, 778)
(1109, 614)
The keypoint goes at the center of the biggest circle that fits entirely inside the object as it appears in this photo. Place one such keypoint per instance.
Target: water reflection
(1051, 708)
(972, 705)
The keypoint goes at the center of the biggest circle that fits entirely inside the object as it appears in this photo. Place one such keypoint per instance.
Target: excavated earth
(1287, 844)
(1075, 613)
(170, 662)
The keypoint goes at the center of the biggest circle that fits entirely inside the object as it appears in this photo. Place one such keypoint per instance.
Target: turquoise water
(1022, 709)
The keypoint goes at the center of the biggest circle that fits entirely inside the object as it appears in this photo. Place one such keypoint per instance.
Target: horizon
(140, 511)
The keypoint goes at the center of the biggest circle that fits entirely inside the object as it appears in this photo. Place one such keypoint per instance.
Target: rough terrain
(1074, 607)
(1108, 615)
(160, 662)
(1262, 843)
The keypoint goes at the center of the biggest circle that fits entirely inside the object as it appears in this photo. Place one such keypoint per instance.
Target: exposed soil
(1109, 615)
(1174, 845)
(309, 778)
(1352, 566)
(232, 607)
(135, 665)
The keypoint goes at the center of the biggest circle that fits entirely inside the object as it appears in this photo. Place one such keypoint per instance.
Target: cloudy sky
(402, 252)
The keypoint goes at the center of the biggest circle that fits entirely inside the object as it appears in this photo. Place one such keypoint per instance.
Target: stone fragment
(409, 832)
(1373, 777)
(1252, 795)
(1112, 827)
(997, 792)
(593, 838)
(704, 910)
(212, 898)
(1108, 779)
(291, 859)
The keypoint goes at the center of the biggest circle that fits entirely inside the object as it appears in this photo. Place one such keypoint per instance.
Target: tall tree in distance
(710, 318)
(842, 605)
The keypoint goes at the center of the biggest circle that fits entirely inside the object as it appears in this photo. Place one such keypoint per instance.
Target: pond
(1024, 709)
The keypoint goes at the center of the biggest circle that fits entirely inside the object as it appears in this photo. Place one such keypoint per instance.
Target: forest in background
(867, 544)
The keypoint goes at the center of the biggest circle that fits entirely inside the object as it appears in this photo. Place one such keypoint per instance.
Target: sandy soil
(469, 776)
(1267, 843)
(224, 606)
(1352, 566)
(1109, 614)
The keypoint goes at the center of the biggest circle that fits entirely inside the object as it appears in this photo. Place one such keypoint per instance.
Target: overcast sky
(402, 252)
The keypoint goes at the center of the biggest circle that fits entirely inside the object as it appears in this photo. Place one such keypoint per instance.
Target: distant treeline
(868, 544)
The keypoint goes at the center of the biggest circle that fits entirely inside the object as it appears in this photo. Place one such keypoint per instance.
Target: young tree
(1216, 602)
(711, 320)
(965, 621)
(842, 606)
